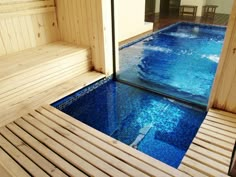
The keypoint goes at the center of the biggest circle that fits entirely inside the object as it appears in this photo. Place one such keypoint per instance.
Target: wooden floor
(211, 150)
(219, 19)
(162, 22)
(47, 142)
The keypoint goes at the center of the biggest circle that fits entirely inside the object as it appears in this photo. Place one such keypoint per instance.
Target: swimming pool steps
(142, 133)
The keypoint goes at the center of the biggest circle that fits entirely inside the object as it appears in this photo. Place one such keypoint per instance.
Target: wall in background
(157, 8)
(225, 7)
(130, 17)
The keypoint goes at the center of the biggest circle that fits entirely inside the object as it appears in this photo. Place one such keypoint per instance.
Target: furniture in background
(209, 11)
(188, 10)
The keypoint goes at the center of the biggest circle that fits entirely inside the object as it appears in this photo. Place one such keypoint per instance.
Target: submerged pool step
(142, 133)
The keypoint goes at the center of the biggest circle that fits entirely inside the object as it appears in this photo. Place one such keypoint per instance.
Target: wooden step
(42, 75)
(45, 96)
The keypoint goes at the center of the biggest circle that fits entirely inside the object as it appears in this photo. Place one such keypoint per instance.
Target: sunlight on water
(214, 58)
(153, 48)
(182, 35)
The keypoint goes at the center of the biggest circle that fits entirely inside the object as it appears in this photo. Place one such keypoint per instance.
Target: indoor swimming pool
(179, 61)
(157, 126)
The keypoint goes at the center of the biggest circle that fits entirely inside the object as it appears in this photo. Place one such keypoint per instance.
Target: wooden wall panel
(82, 22)
(26, 24)
(224, 89)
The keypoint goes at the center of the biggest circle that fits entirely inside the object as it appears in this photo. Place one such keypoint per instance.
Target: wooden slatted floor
(211, 149)
(47, 142)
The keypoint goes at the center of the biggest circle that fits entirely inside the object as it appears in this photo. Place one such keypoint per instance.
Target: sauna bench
(19, 62)
(42, 75)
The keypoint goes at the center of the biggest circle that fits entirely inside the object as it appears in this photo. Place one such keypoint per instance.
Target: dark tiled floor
(219, 19)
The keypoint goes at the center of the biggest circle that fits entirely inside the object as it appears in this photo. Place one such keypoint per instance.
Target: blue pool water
(121, 111)
(179, 61)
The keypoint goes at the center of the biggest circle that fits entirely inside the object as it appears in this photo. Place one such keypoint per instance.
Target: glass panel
(179, 61)
(180, 58)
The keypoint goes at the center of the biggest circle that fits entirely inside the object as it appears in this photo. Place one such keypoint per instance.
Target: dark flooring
(161, 22)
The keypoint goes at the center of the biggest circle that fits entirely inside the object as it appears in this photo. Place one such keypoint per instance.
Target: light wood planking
(112, 143)
(82, 22)
(99, 149)
(13, 168)
(223, 94)
(27, 24)
(9, 7)
(45, 95)
(211, 150)
(4, 172)
(21, 158)
(36, 76)
(30, 153)
(66, 145)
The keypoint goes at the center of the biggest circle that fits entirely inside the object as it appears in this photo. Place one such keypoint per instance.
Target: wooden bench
(188, 10)
(28, 73)
(209, 11)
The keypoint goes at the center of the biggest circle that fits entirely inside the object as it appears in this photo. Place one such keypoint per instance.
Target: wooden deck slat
(221, 126)
(21, 158)
(73, 147)
(60, 149)
(201, 167)
(211, 150)
(207, 161)
(61, 128)
(191, 171)
(212, 147)
(213, 155)
(114, 143)
(223, 113)
(46, 152)
(220, 121)
(218, 130)
(215, 141)
(31, 153)
(223, 117)
(4, 172)
(217, 136)
(11, 166)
